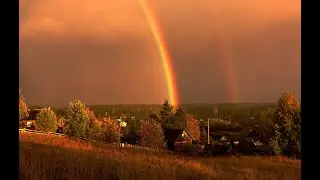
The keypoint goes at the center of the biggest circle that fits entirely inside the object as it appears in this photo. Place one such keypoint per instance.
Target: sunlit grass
(51, 157)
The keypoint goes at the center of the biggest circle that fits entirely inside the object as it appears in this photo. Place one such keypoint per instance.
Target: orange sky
(109, 41)
(100, 18)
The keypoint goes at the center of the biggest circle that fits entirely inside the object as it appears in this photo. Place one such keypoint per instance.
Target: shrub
(111, 131)
(77, 119)
(46, 120)
(151, 134)
(23, 108)
(61, 122)
(95, 131)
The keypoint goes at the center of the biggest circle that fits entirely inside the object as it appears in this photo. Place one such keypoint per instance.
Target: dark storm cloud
(102, 51)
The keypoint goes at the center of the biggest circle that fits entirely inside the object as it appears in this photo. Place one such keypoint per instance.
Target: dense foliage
(23, 108)
(46, 120)
(110, 130)
(151, 134)
(77, 119)
(287, 119)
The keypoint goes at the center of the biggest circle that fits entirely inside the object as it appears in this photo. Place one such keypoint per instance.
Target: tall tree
(166, 113)
(23, 108)
(287, 119)
(77, 119)
(46, 120)
(179, 120)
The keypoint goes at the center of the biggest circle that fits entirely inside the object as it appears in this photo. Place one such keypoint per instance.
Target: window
(29, 124)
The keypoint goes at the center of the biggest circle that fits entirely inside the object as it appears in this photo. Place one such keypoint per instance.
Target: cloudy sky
(102, 51)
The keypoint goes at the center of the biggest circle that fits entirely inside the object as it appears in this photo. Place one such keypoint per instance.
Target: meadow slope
(53, 157)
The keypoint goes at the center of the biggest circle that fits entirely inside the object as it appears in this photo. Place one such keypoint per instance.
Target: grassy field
(51, 157)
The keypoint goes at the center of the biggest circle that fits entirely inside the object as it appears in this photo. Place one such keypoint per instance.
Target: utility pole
(208, 132)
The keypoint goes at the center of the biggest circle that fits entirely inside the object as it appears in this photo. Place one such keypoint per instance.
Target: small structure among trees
(175, 138)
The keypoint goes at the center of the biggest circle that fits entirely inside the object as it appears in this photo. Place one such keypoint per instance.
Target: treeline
(283, 119)
(80, 121)
(235, 112)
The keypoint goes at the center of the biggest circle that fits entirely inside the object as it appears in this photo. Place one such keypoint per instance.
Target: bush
(95, 131)
(61, 122)
(23, 108)
(77, 119)
(46, 120)
(151, 134)
(111, 131)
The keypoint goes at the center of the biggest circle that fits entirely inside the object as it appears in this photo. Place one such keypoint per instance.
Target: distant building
(30, 122)
(176, 137)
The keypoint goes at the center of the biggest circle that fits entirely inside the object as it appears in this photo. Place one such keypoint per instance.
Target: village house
(30, 122)
(256, 141)
(175, 138)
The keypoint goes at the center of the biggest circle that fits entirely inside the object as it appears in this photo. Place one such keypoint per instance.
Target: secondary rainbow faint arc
(225, 54)
(163, 50)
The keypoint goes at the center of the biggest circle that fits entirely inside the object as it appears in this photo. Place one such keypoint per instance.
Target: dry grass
(51, 157)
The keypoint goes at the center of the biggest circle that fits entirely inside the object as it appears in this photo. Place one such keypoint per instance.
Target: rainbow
(228, 68)
(163, 50)
(225, 55)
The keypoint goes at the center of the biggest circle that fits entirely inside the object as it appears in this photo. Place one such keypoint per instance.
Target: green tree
(287, 124)
(46, 120)
(166, 113)
(23, 108)
(95, 131)
(77, 119)
(61, 122)
(151, 134)
(179, 120)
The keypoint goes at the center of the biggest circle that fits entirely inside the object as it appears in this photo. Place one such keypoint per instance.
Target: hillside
(52, 157)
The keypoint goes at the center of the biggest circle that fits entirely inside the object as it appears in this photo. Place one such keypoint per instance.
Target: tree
(179, 120)
(287, 124)
(23, 108)
(111, 131)
(166, 113)
(61, 122)
(154, 117)
(92, 116)
(266, 119)
(151, 134)
(193, 127)
(215, 112)
(77, 119)
(46, 120)
(95, 131)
